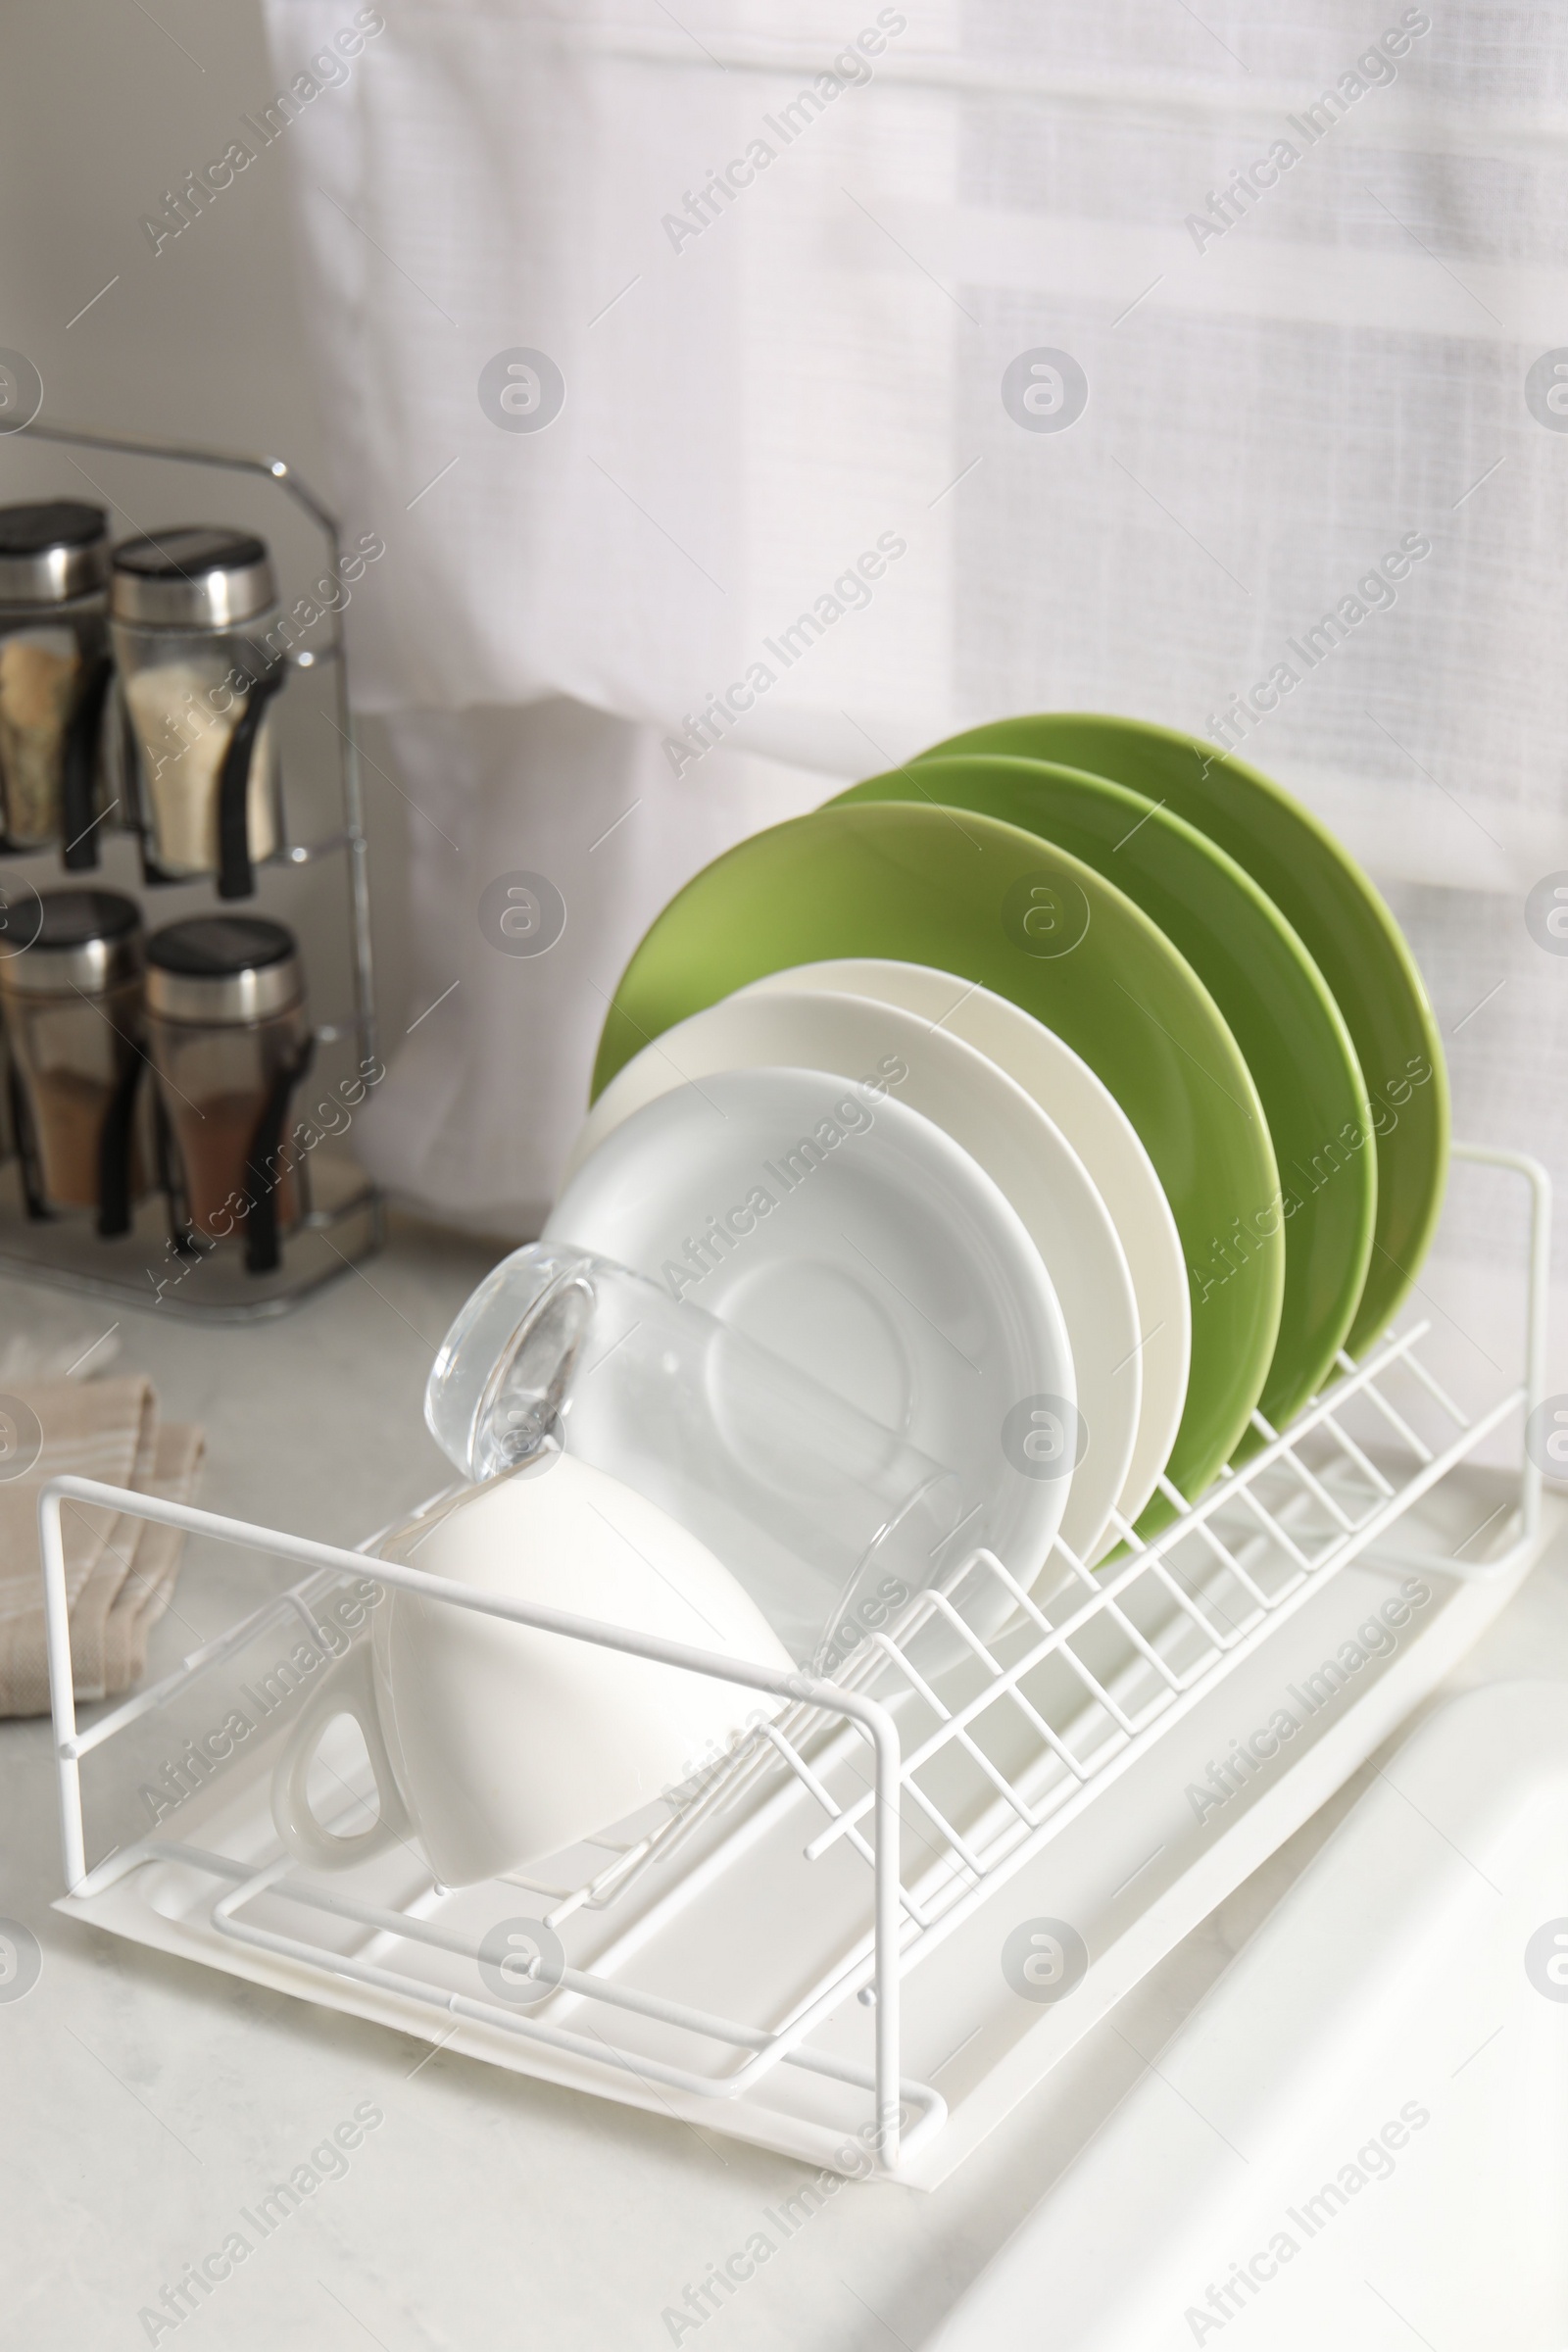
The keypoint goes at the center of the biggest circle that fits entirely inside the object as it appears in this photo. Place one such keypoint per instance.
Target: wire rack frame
(1172, 1619)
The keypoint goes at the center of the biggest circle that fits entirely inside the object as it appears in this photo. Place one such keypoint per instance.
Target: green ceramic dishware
(1271, 994)
(988, 901)
(1344, 924)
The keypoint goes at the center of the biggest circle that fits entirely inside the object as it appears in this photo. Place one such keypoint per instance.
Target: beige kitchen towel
(89, 1611)
(148, 1590)
(95, 1429)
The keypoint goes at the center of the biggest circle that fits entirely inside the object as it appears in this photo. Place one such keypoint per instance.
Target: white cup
(499, 1743)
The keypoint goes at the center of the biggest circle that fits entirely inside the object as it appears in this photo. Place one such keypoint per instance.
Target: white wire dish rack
(864, 1933)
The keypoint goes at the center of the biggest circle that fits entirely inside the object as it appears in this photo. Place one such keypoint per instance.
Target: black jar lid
(52, 551)
(85, 939)
(195, 575)
(224, 968)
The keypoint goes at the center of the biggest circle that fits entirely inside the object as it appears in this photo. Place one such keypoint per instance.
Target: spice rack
(345, 1221)
(823, 1941)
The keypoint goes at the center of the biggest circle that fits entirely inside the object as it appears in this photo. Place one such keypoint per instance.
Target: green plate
(1271, 994)
(1347, 930)
(973, 895)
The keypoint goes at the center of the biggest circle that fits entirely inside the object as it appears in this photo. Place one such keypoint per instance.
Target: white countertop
(147, 2101)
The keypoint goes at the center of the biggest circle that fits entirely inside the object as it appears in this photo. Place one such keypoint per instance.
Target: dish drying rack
(789, 1945)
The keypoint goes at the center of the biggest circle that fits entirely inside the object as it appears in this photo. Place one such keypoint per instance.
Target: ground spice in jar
(38, 674)
(227, 1036)
(54, 564)
(189, 609)
(183, 739)
(71, 999)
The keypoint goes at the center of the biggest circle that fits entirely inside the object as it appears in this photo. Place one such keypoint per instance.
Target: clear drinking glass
(829, 1520)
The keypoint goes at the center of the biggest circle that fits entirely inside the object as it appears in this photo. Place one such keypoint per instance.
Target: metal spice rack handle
(942, 1791)
(354, 1226)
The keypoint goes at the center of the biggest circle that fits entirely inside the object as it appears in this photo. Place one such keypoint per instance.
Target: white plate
(1009, 1136)
(888, 1265)
(1104, 1140)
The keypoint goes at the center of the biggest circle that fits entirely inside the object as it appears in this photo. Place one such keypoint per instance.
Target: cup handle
(349, 1691)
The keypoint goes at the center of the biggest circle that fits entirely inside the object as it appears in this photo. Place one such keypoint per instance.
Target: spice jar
(71, 995)
(189, 610)
(228, 1038)
(55, 672)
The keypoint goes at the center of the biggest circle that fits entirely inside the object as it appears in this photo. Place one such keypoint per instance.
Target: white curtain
(490, 1085)
(782, 263)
